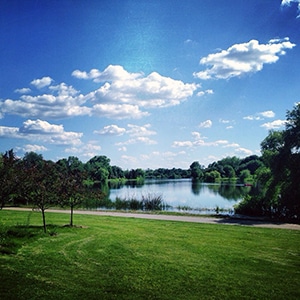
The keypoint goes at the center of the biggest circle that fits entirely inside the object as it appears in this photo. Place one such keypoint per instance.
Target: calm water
(185, 193)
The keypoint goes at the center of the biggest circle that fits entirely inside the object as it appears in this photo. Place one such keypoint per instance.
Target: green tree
(9, 177)
(72, 189)
(196, 170)
(212, 176)
(229, 171)
(116, 172)
(40, 185)
(280, 196)
(245, 176)
(98, 168)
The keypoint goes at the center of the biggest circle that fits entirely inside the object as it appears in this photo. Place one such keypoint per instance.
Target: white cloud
(232, 145)
(40, 127)
(268, 114)
(63, 89)
(243, 58)
(274, 125)
(9, 132)
(38, 130)
(183, 144)
(63, 101)
(23, 91)
(252, 118)
(124, 149)
(205, 124)
(244, 151)
(42, 82)
(111, 130)
(87, 150)
(118, 111)
(140, 139)
(34, 148)
(197, 135)
(260, 116)
(290, 2)
(135, 130)
(121, 95)
(206, 92)
(150, 91)
(200, 141)
(224, 121)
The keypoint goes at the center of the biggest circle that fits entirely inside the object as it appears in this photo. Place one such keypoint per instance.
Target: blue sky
(149, 84)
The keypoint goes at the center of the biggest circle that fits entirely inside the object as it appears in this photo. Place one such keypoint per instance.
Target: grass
(123, 258)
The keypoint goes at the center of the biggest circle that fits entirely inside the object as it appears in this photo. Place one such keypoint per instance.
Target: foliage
(279, 179)
(212, 176)
(9, 178)
(196, 170)
(245, 176)
(40, 184)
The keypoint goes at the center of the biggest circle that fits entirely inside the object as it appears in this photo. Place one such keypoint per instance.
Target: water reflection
(227, 191)
(182, 193)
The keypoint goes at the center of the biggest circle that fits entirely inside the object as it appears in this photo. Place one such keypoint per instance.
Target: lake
(185, 194)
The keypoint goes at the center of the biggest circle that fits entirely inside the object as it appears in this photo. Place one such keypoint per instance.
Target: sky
(149, 84)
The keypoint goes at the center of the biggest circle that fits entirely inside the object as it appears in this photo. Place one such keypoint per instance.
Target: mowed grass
(123, 258)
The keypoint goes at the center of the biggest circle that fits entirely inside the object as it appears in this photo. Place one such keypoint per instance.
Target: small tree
(40, 186)
(72, 190)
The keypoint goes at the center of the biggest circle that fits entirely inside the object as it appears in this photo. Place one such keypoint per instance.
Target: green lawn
(123, 258)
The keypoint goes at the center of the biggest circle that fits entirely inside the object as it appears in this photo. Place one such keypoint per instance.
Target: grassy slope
(121, 258)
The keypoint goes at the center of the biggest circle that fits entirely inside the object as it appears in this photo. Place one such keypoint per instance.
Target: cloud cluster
(86, 150)
(199, 141)
(242, 59)
(61, 101)
(136, 133)
(42, 131)
(260, 116)
(127, 94)
(276, 124)
(121, 95)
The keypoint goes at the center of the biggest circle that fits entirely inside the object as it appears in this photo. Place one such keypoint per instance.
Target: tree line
(32, 180)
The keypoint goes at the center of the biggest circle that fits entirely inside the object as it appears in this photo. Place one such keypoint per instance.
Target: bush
(251, 206)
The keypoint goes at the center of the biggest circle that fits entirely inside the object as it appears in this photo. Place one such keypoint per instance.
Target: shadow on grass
(14, 237)
(251, 221)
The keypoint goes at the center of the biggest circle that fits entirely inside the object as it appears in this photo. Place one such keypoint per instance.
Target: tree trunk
(44, 220)
(71, 220)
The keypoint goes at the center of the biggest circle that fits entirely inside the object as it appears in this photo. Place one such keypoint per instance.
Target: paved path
(194, 219)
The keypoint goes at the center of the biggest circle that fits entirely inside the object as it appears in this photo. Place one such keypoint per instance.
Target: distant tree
(245, 176)
(98, 168)
(229, 171)
(70, 164)
(135, 174)
(32, 159)
(196, 170)
(116, 172)
(212, 176)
